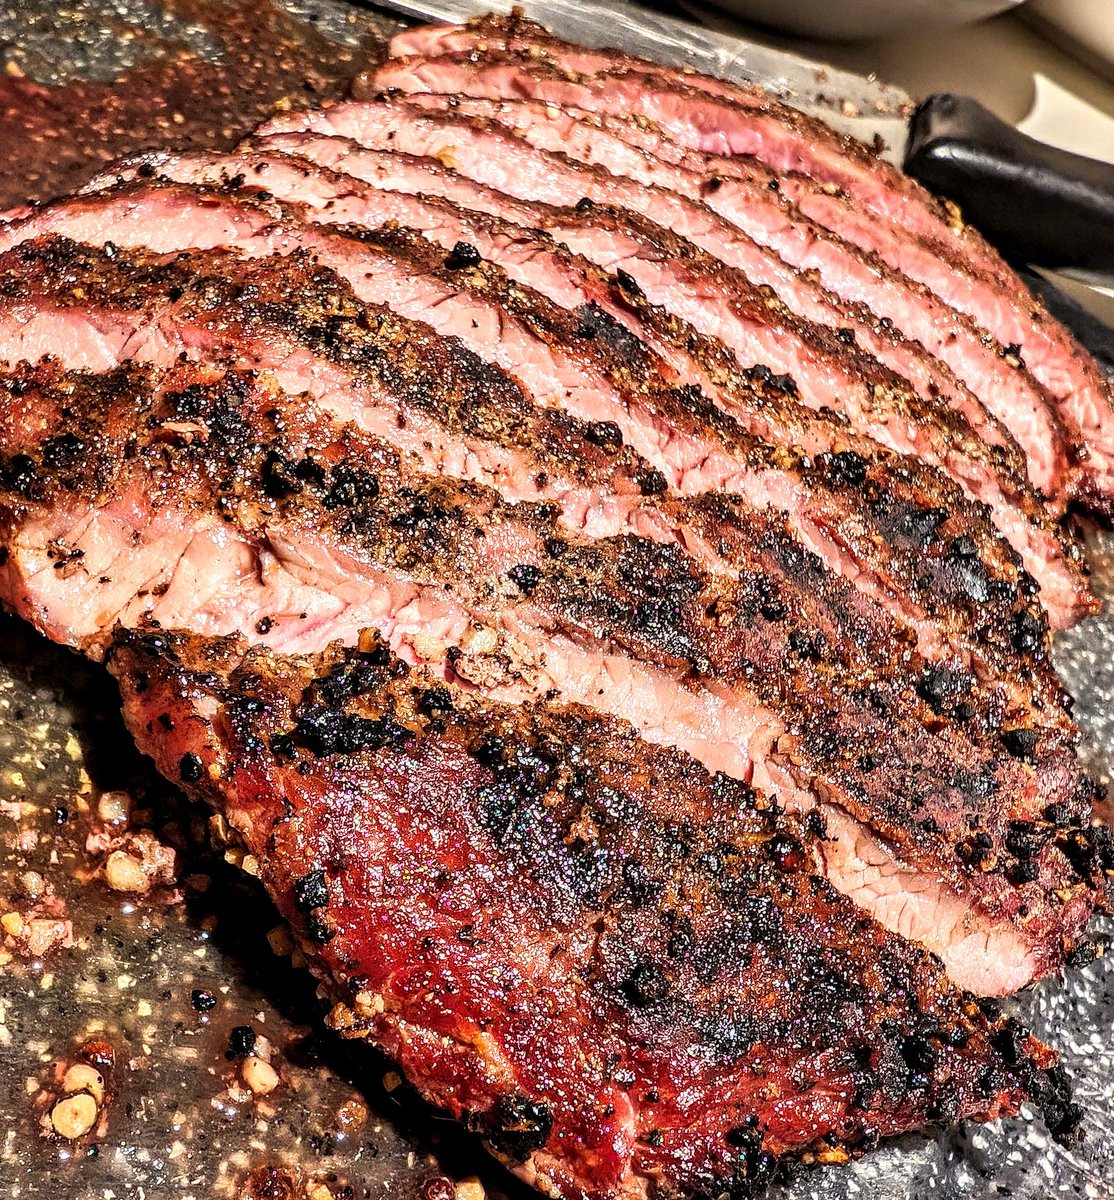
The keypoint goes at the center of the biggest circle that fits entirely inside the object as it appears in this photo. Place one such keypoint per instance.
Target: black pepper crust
(898, 743)
(691, 947)
(897, 519)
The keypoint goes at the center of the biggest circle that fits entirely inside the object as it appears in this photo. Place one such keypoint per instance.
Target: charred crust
(518, 1125)
(311, 891)
(190, 768)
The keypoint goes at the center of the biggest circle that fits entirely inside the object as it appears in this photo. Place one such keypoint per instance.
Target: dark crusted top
(622, 971)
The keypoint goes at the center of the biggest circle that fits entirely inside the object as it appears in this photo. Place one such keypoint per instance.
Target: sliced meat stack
(595, 536)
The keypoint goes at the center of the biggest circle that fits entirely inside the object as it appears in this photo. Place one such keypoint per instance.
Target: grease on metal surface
(84, 83)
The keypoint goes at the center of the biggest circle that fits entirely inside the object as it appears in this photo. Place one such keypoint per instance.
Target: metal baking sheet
(120, 973)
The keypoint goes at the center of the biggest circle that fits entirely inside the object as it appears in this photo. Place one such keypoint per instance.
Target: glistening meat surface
(707, 296)
(313, 572)
(496, 157)
(757, 207)
(709, 115)
(830, 374)
(601, 980)
(522, 336)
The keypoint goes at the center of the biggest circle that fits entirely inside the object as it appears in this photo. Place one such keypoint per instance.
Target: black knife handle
(1038, 204)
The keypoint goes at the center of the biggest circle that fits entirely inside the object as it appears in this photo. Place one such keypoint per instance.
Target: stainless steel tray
(173, 1125)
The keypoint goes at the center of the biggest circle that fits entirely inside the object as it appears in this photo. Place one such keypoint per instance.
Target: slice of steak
(431, 849)
(938, 228)
(1000, 379)
(772, 336)
(671, 272)
(498, 158)
(756, 204)
(597, 375)
(289, 541)
(725, 119)
(824, 204)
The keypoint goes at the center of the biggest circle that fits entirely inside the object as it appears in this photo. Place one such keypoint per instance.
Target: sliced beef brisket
(431, 849)
(594, 534)
(497, 158)
(1083, 398)
(561, 357)
(694, 286)
(733, 121)
(645, 623)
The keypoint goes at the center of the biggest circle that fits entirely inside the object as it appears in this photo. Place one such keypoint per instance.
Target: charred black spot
(1026, 839)
(941, 686)
(646, 985)
(1024, 871)
(63, 450)
(679, 944)
(744, 1136)
(637, 883)
(519, 1126)
(628, 283)
(321, 927)
(806, 645)
(919, 1054)
(585, 204)
(1028, 632)
(846, 468)
(19, 474)
(525, 577)
(278, 476)
(605, 434)
(202, 1001)
(920, 525)
(975, 850)
(774, 610)
(1084, 953)
(462, 256)
(351, 486)
(189, 768)
(1080, 849)
(944, 1110)
(346, 681)
(311, 891)
(651, 482)
(308, 470)
(780, 383)
(815, 824)
(591, 320)
(729, 1034)
(435, 701)
(1020, 742)
(324, 731)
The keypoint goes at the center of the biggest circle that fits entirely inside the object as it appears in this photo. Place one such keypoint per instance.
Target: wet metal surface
(158, 989)
(83, 83)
